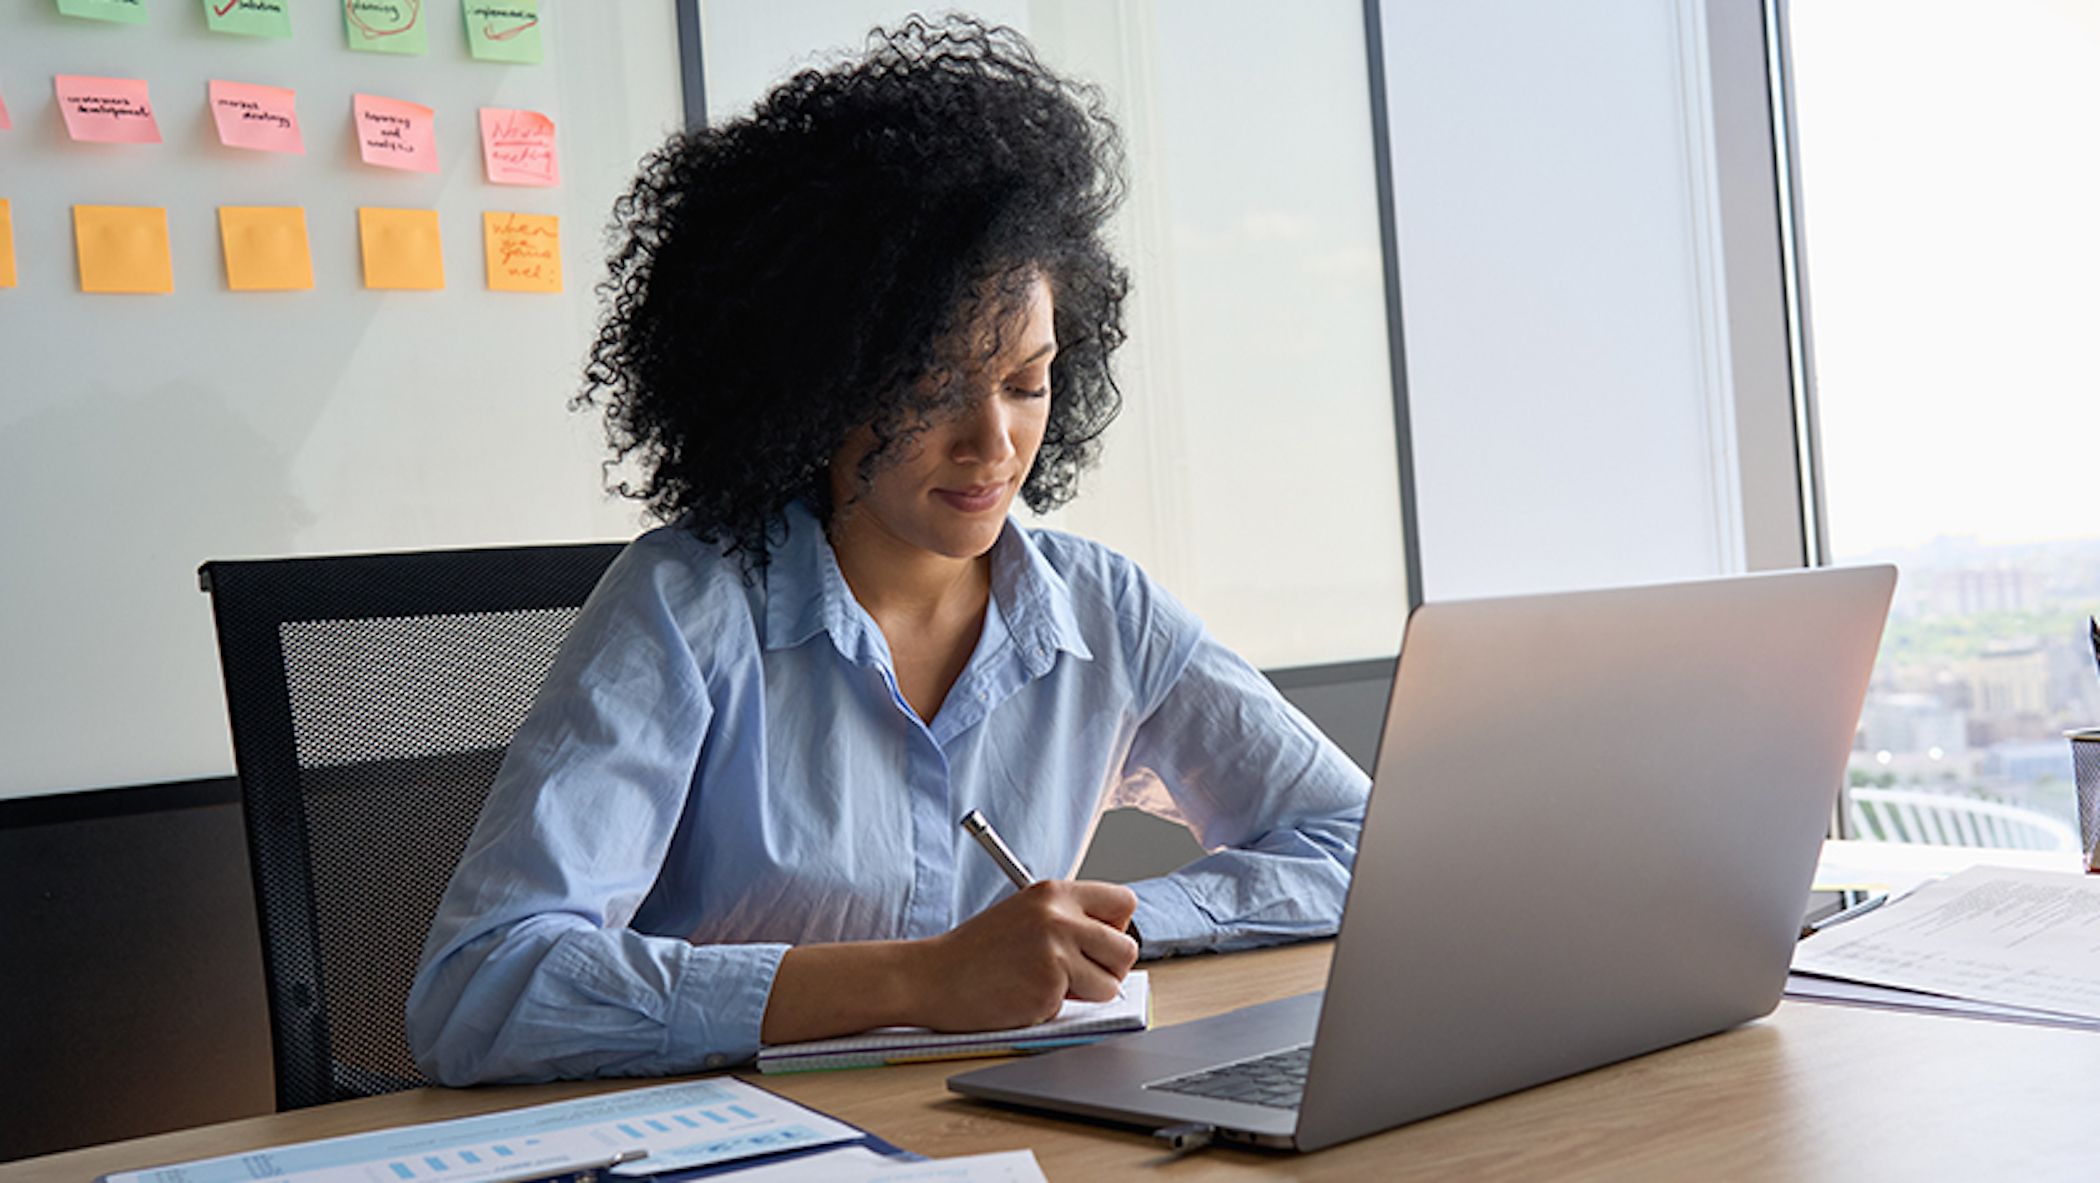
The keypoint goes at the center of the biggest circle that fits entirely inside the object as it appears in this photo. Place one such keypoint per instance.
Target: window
(1949, 188)
(1253, 471)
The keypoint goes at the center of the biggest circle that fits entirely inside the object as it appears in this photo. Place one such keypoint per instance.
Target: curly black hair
(789, 277)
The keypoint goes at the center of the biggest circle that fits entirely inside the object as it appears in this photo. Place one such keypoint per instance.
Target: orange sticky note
(106, 110)
(524, 251)
(123, 248)
(7, 245)
(401, 248)
(266, 249)
(396, 134)
(518, 147)
(265, 118)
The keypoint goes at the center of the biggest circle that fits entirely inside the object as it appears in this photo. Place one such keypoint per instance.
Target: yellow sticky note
(524, 251)
(123, 248)
(7, 245)
(401, 248)
(266, 248)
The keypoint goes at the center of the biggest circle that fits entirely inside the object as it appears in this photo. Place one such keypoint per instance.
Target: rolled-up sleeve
(531, 971)
(1277, 804)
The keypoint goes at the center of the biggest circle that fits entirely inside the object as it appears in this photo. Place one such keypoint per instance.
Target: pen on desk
(580, 1172)
(1852, 913)
(2094, 621)
(974, 824)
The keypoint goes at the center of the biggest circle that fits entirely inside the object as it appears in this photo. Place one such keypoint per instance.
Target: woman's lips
(972, 498)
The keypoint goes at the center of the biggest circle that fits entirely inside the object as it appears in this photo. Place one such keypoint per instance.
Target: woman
(845, 334)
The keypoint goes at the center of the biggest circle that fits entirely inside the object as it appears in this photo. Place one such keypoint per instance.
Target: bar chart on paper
(678, 1126)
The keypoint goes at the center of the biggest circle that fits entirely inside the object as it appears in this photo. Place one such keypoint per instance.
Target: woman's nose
(984, 432)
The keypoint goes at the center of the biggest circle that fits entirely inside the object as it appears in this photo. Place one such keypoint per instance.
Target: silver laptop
(1594, 823)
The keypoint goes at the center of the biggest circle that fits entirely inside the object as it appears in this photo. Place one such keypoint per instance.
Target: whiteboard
(141, 435)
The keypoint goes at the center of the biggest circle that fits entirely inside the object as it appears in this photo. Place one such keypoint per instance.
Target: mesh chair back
(371, 698)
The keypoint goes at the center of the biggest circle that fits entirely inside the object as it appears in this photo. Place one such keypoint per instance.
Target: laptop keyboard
(1276, 1080)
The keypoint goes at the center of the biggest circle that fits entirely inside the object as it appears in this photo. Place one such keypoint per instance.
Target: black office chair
(371, 698)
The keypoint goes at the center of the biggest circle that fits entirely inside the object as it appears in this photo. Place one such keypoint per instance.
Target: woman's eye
(1026, 385)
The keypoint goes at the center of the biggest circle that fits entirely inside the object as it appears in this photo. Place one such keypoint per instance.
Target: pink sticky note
(518, 147)
(6, 124)
(265, 118)
(395, 134)
(106, 110)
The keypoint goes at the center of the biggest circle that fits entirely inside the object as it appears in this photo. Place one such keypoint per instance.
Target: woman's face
(947, 490)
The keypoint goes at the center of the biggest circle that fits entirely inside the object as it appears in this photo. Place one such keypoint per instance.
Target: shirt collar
(805, 594)
(1034, 602)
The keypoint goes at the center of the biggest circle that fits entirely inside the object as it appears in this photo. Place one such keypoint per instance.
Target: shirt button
(714, 1060)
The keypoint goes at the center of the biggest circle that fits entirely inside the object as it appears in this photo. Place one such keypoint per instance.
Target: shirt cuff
(1169, 920)
(720, 1003)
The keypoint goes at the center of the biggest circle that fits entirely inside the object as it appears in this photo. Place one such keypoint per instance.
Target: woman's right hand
(1011, 965)
(1016, 962)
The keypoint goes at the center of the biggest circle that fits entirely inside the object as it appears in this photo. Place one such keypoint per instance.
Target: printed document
(684, 1125)
(1992, 934)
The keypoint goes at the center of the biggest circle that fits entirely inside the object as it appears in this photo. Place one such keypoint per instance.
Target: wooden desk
(1811, 1093)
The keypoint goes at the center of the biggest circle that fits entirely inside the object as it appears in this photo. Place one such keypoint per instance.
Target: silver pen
(575, 1172)
(974, 824)
(1852, 913)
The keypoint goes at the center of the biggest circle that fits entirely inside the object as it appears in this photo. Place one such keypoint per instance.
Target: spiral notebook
(1078, 1022)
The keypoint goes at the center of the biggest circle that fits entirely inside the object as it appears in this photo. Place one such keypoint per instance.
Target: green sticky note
(250, 18)
(124, 12)
(503, 30)
(386, 26)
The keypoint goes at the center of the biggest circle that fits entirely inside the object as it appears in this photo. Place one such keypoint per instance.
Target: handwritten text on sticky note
(518, 147)
(124, 12)
(396, 134)
(386, 26)
(503, 30)
(265, 118)
(252, 18)
(106, 110)
(123, 248)
(524, 251)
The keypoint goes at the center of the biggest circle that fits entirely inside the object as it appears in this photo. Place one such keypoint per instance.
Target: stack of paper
(1995, 942)
(1078, 1022)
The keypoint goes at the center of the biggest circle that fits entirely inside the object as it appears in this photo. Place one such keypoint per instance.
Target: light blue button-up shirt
(717, 769)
